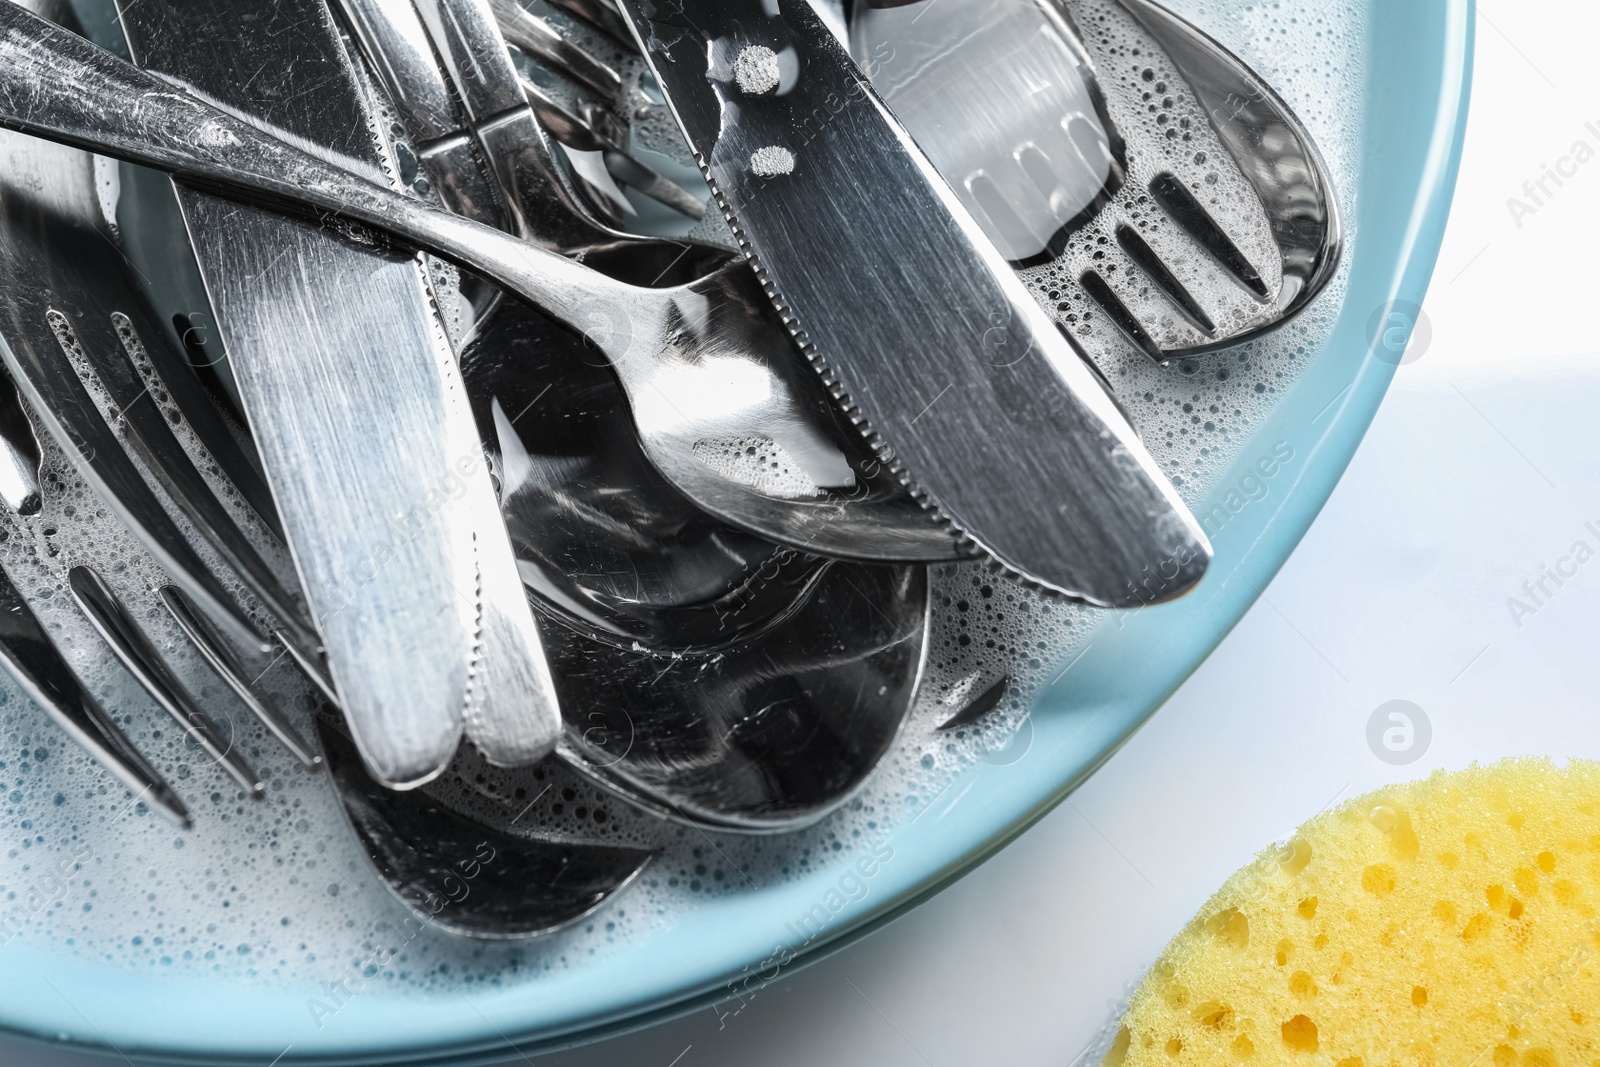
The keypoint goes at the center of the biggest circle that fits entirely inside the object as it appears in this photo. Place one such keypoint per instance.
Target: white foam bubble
(756, 69)
(759, 462)
(773, 161)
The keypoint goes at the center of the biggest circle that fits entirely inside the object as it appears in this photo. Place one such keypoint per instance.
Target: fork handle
(58, 86)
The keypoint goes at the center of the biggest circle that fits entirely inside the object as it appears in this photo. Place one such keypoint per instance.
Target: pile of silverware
(595, 384)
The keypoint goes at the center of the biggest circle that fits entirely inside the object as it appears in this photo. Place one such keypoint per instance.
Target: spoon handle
(56, 85)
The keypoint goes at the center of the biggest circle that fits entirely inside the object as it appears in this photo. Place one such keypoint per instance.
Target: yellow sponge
(1449, 922)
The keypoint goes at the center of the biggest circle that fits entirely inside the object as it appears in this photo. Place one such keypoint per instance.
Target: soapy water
(277, 890)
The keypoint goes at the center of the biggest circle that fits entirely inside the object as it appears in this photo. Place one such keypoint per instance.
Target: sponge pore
(1452, 921)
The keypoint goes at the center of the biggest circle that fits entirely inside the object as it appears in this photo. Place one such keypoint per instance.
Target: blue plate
(1414, 110)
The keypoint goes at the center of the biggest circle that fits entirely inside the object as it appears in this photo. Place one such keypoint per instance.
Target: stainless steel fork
(31, 658)
(586, 128)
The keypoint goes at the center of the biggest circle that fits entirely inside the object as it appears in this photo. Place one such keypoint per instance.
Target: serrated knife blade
(930, 341)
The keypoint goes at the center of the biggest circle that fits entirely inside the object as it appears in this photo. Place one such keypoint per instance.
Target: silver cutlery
(545, 43)
(132, 404)
(466, 35)
(450, 163)
(587, 127)
(53, 253)
(134, 648)
(675, 349)
(760, 709)
(19, 453)
(73, 311)
(935, 347)
(29, 655)
(468, 876)
(389, 510)
(1011, 110)
(518, 153)
(449, 159)
(1276, 155)
(609, 547)
(702, 673)
(765, 733)
(60, 288)
(497, 884)
(226, 663)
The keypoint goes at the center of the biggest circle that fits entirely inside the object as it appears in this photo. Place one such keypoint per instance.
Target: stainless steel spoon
(766, 733)
(467, 876)
(708, 367)
(704, 674)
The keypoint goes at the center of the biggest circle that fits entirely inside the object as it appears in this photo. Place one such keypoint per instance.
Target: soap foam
(277, 891)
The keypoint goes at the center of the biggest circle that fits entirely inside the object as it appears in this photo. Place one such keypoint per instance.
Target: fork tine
(313, 666)
(545, 43)
(1185, 209)
(140, 657)
(146, 435)
(658, 187)
(1125, 320)
(177, 369)
(149, 437)
(226, 663)
(37, 666)
(585, 134)
(561, 122)
(63, 405)
(601, 15)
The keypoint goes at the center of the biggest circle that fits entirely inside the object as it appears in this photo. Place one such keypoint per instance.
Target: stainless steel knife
(359, 413)
(924, 334)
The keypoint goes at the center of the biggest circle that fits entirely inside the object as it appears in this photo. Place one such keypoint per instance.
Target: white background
(1482, 466)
